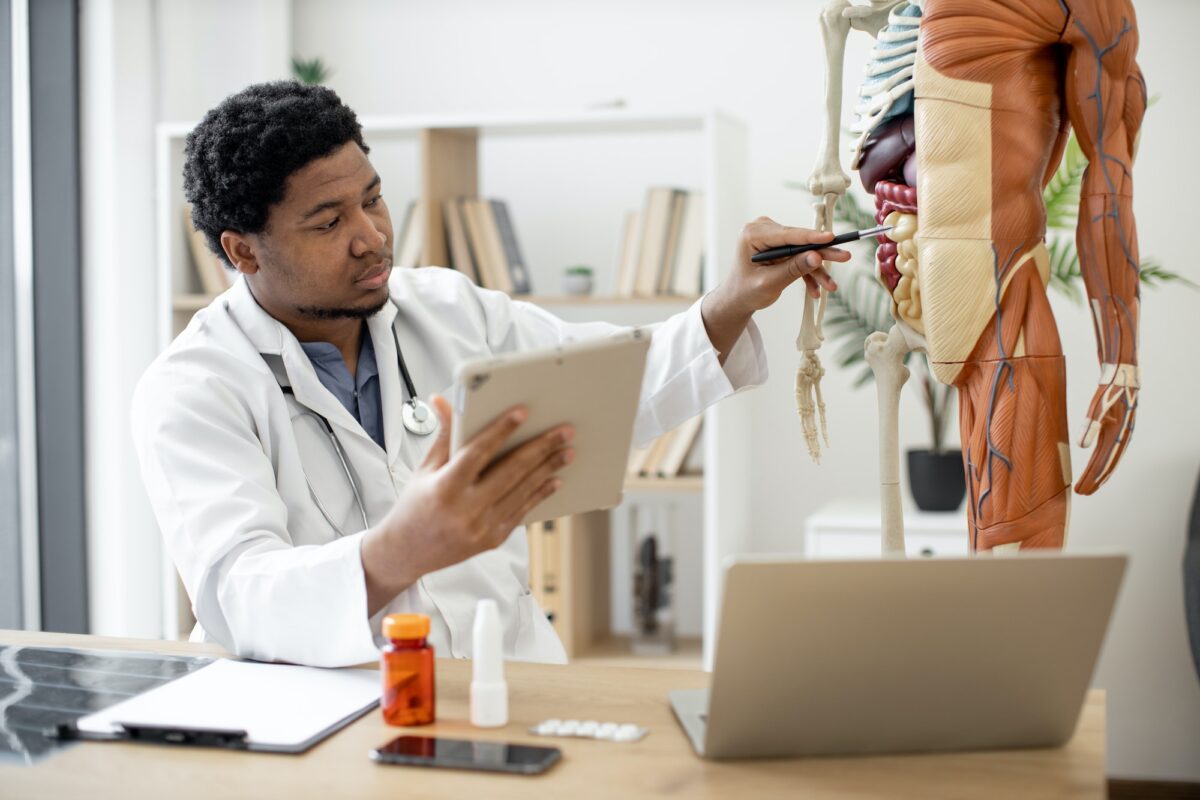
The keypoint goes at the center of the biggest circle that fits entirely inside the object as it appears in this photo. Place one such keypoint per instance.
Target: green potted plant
(862, 306)
(577, 281)
(309, 71)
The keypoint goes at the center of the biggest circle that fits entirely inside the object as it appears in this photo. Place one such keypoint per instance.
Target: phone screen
(427, 751)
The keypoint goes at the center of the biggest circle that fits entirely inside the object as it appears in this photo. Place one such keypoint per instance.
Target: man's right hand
(458, 506)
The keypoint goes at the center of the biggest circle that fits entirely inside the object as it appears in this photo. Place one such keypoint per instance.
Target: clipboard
(238, 705)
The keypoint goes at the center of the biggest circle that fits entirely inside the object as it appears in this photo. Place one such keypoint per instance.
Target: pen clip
(200, 737)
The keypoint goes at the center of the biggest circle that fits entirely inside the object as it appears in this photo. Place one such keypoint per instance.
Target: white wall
(153, 60)
(761, 60)
(141, 62)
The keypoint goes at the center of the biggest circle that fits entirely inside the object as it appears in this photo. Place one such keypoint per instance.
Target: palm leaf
(1061, 194)
(849, 212)
(1153, 274)
(1064, 267)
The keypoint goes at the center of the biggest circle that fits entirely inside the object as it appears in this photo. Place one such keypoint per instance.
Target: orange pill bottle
(406, 665)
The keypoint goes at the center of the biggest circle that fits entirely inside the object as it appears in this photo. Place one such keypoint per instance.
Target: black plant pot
(937, 480)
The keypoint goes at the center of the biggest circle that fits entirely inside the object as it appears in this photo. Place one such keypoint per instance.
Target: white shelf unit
(400, 150)
(851, 529)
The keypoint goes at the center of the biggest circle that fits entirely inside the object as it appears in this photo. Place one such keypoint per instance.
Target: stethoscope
(416, 416)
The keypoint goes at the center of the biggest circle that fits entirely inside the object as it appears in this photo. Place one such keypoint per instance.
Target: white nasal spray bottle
(489, 691)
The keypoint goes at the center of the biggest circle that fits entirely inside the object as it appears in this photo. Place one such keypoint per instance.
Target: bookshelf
(190, 303)
(434, 158)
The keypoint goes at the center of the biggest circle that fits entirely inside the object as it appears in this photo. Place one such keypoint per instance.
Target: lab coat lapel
(273, 339)
(391, 386)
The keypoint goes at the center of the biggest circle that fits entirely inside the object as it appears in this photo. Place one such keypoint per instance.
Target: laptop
(822, 658)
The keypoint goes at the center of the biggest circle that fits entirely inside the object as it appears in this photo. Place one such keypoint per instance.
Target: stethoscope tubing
(413, 401)
(341, 454)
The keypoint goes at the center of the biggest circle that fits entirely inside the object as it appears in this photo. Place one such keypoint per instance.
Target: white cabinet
(851, 529)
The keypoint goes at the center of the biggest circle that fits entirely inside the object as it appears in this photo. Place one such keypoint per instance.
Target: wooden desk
(660, 765)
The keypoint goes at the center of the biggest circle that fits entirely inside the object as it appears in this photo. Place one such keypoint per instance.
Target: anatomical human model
(964, 116)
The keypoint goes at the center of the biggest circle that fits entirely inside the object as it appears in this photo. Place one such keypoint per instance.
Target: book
(627, 256)
(214, 276)
(475, 240)
(485, 244)
(653, 242)
(457, 244)
(545, 583)
(637, 457)
(409, 252)
(678, 203)
(495, 246)
(682, 440)
(693, 462)
(688, 270)
(654, 455)
(517, 273)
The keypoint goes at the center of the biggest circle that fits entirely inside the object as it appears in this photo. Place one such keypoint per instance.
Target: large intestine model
(964, 117)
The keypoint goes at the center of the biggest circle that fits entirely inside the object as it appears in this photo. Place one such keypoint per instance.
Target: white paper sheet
(277, 705)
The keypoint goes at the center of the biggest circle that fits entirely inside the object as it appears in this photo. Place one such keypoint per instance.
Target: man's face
(326, 251)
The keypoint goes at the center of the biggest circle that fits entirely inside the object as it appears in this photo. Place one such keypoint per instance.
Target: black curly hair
(239, 157)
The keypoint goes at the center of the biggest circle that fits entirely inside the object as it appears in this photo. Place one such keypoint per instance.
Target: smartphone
(426, 751)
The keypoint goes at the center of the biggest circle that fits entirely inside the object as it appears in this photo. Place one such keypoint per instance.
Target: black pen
(776, 253)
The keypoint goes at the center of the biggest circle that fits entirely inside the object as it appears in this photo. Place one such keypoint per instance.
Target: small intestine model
(964, 117)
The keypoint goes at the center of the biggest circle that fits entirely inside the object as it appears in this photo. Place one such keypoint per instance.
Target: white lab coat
(224, 457)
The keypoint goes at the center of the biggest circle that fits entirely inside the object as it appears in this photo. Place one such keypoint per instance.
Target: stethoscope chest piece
(418, 417)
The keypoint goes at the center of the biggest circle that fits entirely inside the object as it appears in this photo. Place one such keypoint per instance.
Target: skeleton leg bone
(885, 353)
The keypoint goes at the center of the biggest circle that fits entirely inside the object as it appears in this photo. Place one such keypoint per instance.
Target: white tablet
(594, 386)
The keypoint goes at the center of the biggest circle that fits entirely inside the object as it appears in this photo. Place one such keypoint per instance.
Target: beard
(318, 312)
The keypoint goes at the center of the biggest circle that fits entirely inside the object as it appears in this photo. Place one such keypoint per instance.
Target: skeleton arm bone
(810, 404)
(828, 182)
(837, 19)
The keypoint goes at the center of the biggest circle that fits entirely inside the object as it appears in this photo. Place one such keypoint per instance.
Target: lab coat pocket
(329, 487)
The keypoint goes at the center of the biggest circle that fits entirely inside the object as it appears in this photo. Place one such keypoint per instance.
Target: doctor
(288, 439)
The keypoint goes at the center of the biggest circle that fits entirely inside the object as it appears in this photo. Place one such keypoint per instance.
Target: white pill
(589, 728)
(548, 728)
(626, 733)
(569, 727)
(606, 730)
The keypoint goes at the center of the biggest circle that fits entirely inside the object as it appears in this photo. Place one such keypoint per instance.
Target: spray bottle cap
(489, 691)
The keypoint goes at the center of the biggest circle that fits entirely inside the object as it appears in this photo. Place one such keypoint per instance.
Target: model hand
(455, 507)
(1110, 425)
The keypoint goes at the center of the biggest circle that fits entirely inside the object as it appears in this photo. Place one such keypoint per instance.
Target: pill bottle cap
(405, 626)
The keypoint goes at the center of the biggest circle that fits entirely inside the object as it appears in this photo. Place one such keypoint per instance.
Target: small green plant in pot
(862, 306)
(577, 281)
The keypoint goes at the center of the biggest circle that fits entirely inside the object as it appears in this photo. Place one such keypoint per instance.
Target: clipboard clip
(154, 734)
(198, 737)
